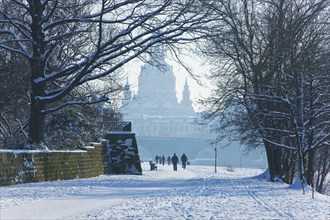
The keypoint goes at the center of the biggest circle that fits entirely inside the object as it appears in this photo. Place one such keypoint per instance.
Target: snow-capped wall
(118, 155)
(18, 166)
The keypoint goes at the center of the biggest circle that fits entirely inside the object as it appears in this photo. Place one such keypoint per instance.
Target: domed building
(155, 111)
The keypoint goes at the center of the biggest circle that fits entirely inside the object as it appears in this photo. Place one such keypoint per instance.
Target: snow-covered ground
(195, 193)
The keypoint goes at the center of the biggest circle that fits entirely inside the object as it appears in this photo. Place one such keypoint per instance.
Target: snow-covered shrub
(13, 142)
(70, 128)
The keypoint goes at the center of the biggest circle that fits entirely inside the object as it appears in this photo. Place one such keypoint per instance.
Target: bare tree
(119, 31)
(270, 54)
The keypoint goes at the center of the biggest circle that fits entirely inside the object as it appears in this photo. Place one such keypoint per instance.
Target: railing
(117, 125)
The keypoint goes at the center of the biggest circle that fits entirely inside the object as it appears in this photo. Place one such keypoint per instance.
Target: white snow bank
(194, 193)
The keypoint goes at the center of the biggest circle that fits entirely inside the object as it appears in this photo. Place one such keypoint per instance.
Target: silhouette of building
(155, 110)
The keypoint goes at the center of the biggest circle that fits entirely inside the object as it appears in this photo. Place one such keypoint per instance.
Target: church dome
(157, 77)
(156, 95)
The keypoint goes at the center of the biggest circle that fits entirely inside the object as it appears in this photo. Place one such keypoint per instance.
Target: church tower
(186, 101)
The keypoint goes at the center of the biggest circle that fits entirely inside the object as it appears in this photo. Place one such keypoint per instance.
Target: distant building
(164, 126)
(155, 110)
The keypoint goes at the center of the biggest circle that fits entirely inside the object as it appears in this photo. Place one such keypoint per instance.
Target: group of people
(174, 160)
(161, 160)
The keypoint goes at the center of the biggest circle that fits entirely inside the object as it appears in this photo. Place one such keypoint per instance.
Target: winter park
(164, 109)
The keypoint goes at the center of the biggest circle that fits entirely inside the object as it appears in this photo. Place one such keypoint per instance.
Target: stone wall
(117, 155)
(121, 153)
(19, 166)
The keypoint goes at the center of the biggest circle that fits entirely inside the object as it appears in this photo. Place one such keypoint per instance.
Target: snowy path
(195, 193)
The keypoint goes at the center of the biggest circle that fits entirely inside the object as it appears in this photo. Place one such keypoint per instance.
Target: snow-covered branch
(68, 103)
(15, 39)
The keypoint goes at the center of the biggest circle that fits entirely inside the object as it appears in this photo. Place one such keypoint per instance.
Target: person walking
(184, 160)
(169, 160)
(175, 161)
(163, 160)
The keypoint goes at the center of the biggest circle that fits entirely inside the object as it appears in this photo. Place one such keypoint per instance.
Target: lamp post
(215, 159)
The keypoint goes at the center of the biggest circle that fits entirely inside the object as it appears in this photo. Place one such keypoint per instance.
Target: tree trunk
(270, 160)
(38, 69)
(36, 125)
(323, 168)
(310, 168)
(278, 160)
(37, 117)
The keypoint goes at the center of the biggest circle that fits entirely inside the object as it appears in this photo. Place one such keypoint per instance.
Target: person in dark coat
(184, 160)
(175, 161)
(163, 160)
